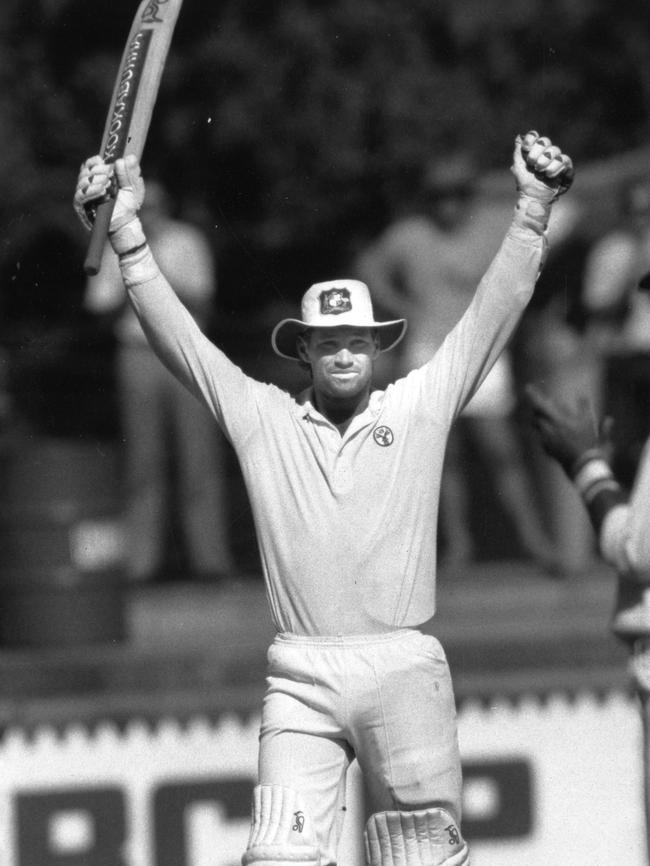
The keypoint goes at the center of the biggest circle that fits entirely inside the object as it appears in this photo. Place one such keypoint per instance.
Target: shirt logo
(335, 301)
(299, 825)
(383, 436)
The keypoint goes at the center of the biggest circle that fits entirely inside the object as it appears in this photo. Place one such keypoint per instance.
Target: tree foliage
(287, 119)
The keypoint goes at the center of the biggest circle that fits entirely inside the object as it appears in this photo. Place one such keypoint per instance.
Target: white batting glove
(542, 174)
(98, 179)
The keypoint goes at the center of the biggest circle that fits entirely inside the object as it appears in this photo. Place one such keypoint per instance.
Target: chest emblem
(383, 436)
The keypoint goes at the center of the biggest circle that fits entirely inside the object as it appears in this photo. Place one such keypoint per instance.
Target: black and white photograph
(324, 433)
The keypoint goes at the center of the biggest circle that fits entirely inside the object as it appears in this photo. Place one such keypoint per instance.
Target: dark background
(283, 123)
(282, 127)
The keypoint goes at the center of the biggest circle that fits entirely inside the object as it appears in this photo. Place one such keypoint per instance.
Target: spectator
(427, 262)
(163, 426)
(572, 438)
(619, 317)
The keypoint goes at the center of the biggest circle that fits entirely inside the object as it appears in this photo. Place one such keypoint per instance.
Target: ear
(301, 349)
(376, 341)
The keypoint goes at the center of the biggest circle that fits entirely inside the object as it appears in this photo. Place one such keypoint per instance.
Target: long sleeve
(470, 350)
(177, 339)
(625, 532)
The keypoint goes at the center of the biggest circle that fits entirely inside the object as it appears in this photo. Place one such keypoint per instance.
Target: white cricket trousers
(386, 699)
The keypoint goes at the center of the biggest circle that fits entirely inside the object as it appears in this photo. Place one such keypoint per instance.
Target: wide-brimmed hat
(335, 304)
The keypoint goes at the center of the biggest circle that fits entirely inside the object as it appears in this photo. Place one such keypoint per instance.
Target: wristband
(610, 486)
(594, 478)
(139, 267)
(133, 250)
(128, 237)
(531, 213)
(586, 457)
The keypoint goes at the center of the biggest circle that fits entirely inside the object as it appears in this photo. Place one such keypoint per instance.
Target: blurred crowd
(587, 331)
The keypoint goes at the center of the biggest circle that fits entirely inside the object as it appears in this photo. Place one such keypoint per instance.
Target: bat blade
(132, 102)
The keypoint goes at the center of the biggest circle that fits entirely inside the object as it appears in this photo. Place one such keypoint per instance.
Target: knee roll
(281, 832)
(426, 837)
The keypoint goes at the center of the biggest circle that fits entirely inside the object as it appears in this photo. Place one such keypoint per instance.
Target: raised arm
(169, 326)
(542, 173)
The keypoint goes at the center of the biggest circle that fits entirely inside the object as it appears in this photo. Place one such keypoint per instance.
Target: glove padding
(540, 168)
(567, 434)
(97, 180)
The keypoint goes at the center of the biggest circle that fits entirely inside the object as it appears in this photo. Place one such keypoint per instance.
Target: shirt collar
(306, 408)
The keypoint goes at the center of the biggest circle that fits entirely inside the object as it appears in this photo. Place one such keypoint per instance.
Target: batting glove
(542, 174)
(97, 180)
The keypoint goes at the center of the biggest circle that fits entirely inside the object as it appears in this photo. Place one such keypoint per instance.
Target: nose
(344, 358)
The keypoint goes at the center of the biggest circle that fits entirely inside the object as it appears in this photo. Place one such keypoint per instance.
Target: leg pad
(426, 837)
(281, 833)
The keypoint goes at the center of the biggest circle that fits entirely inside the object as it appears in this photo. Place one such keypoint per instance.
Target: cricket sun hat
(335, 304)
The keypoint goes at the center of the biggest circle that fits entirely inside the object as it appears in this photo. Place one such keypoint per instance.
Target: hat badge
(335, 301)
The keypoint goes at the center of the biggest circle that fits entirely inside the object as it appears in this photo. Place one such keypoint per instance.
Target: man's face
(341, 360)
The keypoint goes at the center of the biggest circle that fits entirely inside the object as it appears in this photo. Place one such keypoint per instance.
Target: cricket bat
(132, 102)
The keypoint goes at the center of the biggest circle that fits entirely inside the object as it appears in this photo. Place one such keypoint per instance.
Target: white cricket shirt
(346, 524)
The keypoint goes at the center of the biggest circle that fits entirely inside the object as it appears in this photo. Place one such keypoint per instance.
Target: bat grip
(98, 236)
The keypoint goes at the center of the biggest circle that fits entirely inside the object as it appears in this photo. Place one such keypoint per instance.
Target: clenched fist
(94, 182)
(542, 173)
(540, 168)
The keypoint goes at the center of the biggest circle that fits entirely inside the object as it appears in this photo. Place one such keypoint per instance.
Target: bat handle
(98, 236)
